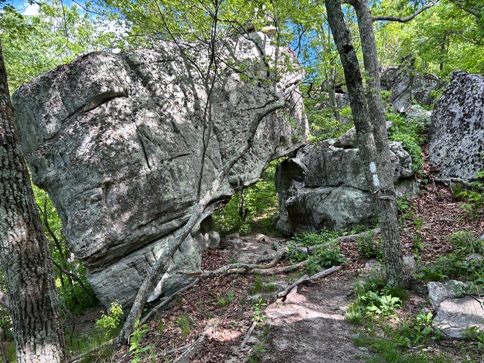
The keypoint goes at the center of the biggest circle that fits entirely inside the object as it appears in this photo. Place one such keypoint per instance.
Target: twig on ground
(247, 336)
(190, 351)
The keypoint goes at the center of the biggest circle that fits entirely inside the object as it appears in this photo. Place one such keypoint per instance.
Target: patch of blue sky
(30, 7)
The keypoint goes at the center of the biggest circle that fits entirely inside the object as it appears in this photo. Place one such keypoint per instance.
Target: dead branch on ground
(166, 300)
(307, 278)
(191, 350)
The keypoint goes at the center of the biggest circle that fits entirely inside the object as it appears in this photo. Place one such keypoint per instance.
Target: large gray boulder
(118, 141)
(456, 144)
(324, 186)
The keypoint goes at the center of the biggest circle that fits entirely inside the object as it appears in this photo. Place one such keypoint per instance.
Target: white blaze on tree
(369, 120)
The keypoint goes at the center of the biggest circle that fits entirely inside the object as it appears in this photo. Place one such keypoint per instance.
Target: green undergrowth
(326, 254)
(472, 198)
(463, 263)
(257, 203)
(369, 246)
(409, 131)
(387, 335)
(107, 327)
(384, 336)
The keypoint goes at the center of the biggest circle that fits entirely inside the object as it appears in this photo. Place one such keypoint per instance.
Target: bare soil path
(310, 325)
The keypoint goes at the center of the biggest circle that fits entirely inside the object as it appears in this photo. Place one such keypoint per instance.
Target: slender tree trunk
(24, 253)
(392, 249)
(369, 119)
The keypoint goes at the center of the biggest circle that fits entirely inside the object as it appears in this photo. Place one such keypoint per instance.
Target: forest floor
(212, 321)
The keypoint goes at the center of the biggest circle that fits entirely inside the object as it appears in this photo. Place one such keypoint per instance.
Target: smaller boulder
(454, 315)
(324, 186)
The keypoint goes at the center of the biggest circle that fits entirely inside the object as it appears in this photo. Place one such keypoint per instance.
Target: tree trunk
(24, 253)
(392, 250)
(369, 119)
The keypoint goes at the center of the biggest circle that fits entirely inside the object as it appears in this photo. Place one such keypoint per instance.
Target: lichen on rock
(118, 141)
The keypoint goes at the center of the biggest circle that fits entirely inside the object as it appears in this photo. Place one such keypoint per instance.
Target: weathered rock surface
(324, 186)
(454, 315)
(408, 88)
(118, 140)
(456, 144)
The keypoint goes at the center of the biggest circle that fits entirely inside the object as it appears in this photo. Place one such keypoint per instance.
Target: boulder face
(124, 143)
(409, 89)
(455, 314)
(456, 144)
(324, 186)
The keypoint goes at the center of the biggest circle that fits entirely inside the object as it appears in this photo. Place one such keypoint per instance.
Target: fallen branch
(286, 291)
(307, 278)
(108, 344)
(200, 211)
(260, 269)
(353, 237)
(349, 238)
(190, 351)
(247, 336)
(280, 270)
(246, 268)
(166, 300)
(325, 273)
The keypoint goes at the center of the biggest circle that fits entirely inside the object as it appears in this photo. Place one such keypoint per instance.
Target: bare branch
(473, 12)
(408, 18)
(78, 278)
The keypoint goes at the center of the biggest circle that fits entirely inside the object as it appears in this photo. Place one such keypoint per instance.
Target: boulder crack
(143, 149)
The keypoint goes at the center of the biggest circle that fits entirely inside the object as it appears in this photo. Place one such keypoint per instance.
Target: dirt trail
(310, 327)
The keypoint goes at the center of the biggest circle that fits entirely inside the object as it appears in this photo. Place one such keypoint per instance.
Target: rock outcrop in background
(410, 91)
(324, 186)
(456, 143)
(118, 142)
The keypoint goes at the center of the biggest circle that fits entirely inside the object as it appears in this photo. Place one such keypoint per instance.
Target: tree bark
(369, 119)
(392, 249)
(24, 252)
